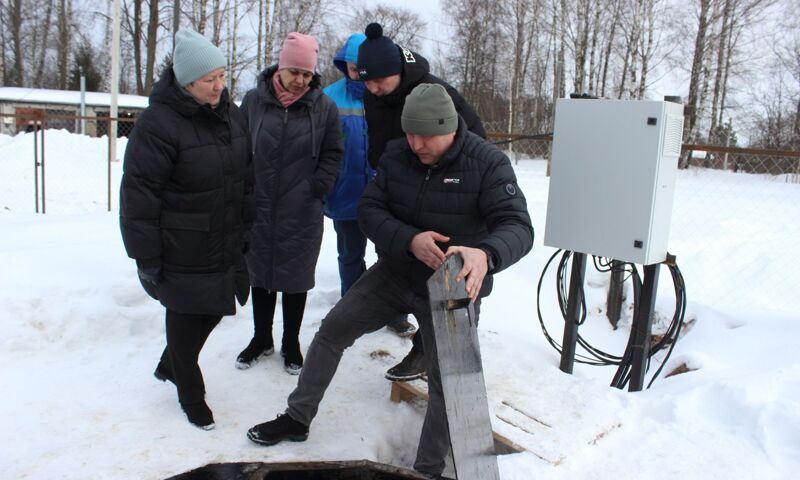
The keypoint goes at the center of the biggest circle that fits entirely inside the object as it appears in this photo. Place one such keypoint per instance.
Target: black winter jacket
(383, 113)
(186, 199)
(470, 195)
(297, 152)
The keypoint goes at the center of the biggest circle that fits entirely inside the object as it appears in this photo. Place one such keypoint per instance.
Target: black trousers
(186, 335)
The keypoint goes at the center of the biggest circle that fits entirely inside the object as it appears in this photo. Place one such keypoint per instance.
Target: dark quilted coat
(297, 152)
(470, 195)
(186, 200)
(383, 113)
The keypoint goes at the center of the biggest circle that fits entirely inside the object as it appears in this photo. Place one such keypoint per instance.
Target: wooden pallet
(408, 391)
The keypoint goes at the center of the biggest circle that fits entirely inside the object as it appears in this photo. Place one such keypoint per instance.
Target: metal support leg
(614, 300)
(642, 325)
(573, 312)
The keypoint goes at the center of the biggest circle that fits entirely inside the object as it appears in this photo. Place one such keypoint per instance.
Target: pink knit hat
(299, 51)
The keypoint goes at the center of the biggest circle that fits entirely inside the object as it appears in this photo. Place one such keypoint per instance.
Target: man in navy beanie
(390, 72)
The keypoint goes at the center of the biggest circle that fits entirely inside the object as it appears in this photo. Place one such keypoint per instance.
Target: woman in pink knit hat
(297, 147)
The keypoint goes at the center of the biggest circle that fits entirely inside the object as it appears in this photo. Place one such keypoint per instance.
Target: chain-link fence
(46, 168)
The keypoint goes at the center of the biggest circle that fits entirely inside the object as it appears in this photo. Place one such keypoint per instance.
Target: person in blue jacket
(341, 203)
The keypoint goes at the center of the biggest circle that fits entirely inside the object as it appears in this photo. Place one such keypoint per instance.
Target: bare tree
(64, 37)
(402, 25)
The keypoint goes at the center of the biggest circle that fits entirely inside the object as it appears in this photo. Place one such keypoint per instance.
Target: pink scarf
(282, 94)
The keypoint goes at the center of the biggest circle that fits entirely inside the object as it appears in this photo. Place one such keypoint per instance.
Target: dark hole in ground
(352, 470)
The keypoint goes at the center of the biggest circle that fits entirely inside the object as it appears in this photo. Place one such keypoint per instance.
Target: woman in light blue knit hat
(186, 203)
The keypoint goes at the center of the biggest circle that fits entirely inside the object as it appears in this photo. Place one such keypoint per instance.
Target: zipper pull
(428, 174)
(285, 115)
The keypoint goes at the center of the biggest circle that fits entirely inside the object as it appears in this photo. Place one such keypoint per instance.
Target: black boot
(253, 353)
(199, 415)
(282, 428)
(410, 368)
(292, 360)
(162, 373)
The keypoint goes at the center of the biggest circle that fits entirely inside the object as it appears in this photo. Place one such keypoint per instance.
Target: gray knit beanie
(194, 57)
(429, 110)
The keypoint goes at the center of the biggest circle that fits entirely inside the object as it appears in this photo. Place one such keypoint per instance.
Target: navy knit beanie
(378, 56)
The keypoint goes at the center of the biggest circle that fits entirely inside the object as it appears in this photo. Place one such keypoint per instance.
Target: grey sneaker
(402, 328)
(410, 368)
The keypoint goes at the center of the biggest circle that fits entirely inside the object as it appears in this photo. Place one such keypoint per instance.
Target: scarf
(284, 96)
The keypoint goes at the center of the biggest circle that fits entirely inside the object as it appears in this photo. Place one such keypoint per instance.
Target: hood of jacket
(266, 92)
(166, 91)
(348, 52)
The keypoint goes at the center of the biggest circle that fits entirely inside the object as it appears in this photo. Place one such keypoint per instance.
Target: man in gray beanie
(186, 203)
(451, 192)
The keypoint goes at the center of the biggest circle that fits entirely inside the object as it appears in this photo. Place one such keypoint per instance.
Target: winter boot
(163, 374)
(402, 327)
(292, 361)
(199, 415)
(410, 368)
(253, 353)
(282, 428)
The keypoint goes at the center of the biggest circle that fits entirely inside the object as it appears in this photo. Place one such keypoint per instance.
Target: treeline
(736, 63)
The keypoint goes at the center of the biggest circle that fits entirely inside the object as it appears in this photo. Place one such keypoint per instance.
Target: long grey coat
(297, 153)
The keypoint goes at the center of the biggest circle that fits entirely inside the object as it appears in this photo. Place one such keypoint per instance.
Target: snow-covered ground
(81, 339)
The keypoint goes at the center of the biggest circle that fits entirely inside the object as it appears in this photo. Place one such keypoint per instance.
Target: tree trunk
(137, 45)
(260, 36)
(609, 46)
(64, 34)
(695, 78)
(273, 26)
(647, 50)
(37, 80)
(15, 18)
(216, 21)
(593, 51)
(721, 51)
(176, 20)
(152, 38)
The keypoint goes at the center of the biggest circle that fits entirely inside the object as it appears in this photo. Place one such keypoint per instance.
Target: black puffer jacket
(470, 195)
(185, 200)
(383, 113)
(297, 152)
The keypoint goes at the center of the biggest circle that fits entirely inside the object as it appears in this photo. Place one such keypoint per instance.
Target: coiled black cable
(594, 355)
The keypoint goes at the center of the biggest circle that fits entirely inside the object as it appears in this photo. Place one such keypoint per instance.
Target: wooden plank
(463, 386)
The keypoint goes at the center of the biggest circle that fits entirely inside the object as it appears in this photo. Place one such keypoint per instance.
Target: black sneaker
(410, 368)
(199, 415)
(163, 374)
(403, 328)
(292, 362)
(282, 428)
(251, 355)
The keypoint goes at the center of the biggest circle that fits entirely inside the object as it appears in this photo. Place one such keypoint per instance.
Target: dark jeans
(186, 335)
(351, 245)
(294, 305)
(368, 306)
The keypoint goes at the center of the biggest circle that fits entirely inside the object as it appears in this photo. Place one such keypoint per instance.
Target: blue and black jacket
(341, 202)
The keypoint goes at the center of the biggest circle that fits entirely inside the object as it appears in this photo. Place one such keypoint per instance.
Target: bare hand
(474, 270)
(423, 246)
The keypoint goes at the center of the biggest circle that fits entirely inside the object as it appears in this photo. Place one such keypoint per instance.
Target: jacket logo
(408, 56)
(511, 189)
(454, 181)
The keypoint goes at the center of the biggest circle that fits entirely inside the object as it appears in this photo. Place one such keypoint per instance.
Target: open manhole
(350, 470)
